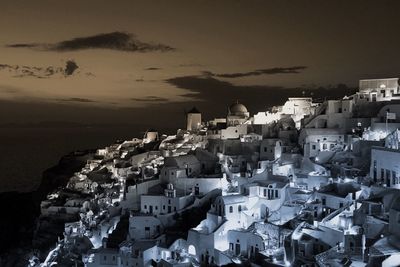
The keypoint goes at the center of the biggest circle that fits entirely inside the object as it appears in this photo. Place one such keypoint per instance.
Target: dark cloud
(153, 68)
(215, 95)
(150, 99)
(33, 45)
(20, 71)
(120, 41)
(270, 71)
(70, 67)
(76, 99)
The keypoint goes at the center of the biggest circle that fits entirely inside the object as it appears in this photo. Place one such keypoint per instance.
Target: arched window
(230, 209)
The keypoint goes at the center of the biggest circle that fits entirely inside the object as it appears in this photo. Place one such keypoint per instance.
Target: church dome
(237, 109)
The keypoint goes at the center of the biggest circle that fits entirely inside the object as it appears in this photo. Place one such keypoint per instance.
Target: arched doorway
(192, 250)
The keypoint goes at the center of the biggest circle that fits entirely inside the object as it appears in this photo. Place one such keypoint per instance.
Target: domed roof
(237, 108)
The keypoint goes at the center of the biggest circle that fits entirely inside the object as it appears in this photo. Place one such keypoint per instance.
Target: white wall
(388, 162)
(138, 224)
(234, 132)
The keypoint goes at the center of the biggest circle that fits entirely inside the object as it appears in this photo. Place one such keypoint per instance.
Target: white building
(270, 149)
(321, 143)
(193, 119)
(376, 90)
(163, 204)
(144, 227)
(180, 167)
(385, 162)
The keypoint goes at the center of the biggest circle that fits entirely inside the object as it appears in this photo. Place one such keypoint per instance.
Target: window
(163, 207)
(230, 209)
(105, 258)
(276, 193)
(324, 147)
(265, 192)
(340, 205)
(169, 201)
(313, 147)
(145, 207)
(239, 208)
(265, 149)
(324, 201)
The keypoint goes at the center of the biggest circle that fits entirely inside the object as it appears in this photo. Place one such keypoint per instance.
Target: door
(237, 249)
(147, 232)
(151, 209)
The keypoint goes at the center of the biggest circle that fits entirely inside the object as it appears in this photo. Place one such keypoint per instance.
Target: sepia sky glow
(211, 42)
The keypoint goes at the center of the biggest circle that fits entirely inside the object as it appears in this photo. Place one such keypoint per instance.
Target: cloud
(21, 71)
(70, 67)
(76, 99)
(120, 41)
(270, 71)
(150, 99)
(152, 68)
(215, 94)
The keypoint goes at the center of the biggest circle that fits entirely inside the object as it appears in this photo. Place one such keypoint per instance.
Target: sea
(25, 152)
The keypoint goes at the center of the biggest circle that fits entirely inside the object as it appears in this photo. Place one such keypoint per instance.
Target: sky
(144, 62)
